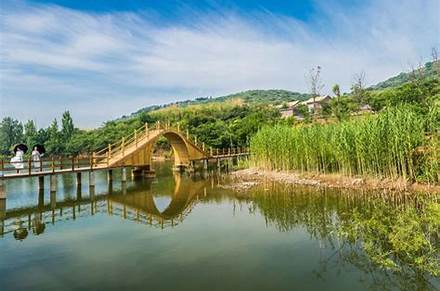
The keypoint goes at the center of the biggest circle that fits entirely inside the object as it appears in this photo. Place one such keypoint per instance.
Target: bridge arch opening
(181, 152)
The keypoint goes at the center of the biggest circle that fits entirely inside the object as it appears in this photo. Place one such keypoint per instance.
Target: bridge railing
(120, 147)
(47, 165)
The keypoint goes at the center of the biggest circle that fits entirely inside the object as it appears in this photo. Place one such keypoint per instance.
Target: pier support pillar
(41, 198)
(92, 179)
(53, 183)
(124, 188)
(2, 215)
(53, 200)
(124, 175)
(92, 193)
(78, 192)
(78, 179)
(40, 183)
(205, 164)
(2, 189)
(110, 176)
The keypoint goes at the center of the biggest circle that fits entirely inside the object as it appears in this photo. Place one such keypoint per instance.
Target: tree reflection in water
(392, 237)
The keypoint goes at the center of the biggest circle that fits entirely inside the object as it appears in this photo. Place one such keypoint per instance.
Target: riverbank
(247, 178)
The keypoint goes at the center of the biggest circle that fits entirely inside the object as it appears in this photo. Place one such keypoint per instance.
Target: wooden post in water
(205, 164)
(110, 176)
(78, 179)
(91, 179)
(124, 189)
(124, 175)
(40, 183)
(2, 187)
(2, 214)
(53, 183)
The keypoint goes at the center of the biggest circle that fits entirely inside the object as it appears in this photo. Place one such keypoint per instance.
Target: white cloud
(65, 59)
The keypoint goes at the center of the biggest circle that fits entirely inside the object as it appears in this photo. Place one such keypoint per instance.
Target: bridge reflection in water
(129, 203)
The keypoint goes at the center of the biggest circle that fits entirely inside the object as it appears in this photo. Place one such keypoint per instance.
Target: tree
(67, 127)
(54, 143)
(337, 91)
(315, 84)
(358, 88)
(11, 132)
(30, 133)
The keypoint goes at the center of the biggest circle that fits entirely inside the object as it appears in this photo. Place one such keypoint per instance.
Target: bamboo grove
(400, 142)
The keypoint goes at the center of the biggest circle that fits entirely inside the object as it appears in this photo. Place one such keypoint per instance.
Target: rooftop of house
(318, 99)
(288, 105)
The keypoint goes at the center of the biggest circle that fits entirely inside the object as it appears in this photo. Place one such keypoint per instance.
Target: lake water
(180, 232)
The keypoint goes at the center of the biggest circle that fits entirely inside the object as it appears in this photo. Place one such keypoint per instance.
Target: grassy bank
(400, 142)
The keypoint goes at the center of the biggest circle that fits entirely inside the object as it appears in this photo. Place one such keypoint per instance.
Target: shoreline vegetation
(397, 148)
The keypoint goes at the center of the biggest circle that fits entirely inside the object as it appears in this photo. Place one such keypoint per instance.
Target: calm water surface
(188, 233)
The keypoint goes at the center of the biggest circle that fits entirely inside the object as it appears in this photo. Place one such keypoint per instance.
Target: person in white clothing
(36, 158)
(17, 161)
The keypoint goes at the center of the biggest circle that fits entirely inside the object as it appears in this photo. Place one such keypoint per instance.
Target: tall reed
(399, 142)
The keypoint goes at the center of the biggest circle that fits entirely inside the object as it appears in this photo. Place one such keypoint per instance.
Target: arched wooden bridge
(134, 151)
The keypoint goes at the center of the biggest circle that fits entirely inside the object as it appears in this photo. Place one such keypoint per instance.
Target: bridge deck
(23, 173)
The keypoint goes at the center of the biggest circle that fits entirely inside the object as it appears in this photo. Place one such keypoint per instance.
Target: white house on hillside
(317, 103)
(289, 110)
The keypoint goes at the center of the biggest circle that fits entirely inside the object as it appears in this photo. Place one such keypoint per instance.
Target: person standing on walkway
(17, 160)
(36, 158)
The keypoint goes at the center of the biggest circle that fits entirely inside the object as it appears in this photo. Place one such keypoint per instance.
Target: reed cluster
(400, 142)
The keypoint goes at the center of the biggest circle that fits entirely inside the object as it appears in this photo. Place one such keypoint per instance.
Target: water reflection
(383, 241)
(394, 238)
(129, 202)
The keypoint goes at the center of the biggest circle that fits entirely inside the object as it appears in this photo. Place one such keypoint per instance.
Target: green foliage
(30, 133)
(67, 128)
(11, 133)
(384, 145)
(54, 143)
(420, 93)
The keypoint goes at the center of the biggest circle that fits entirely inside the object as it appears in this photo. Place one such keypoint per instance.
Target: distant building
(317, 102)
(288, 109)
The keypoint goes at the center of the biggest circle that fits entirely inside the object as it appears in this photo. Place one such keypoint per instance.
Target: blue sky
(103, 59)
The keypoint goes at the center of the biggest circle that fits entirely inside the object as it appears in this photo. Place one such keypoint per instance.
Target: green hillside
(272, 96)
(429, 70)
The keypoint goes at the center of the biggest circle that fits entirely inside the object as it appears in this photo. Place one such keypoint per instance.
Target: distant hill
(427, 71)
(272, 96)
